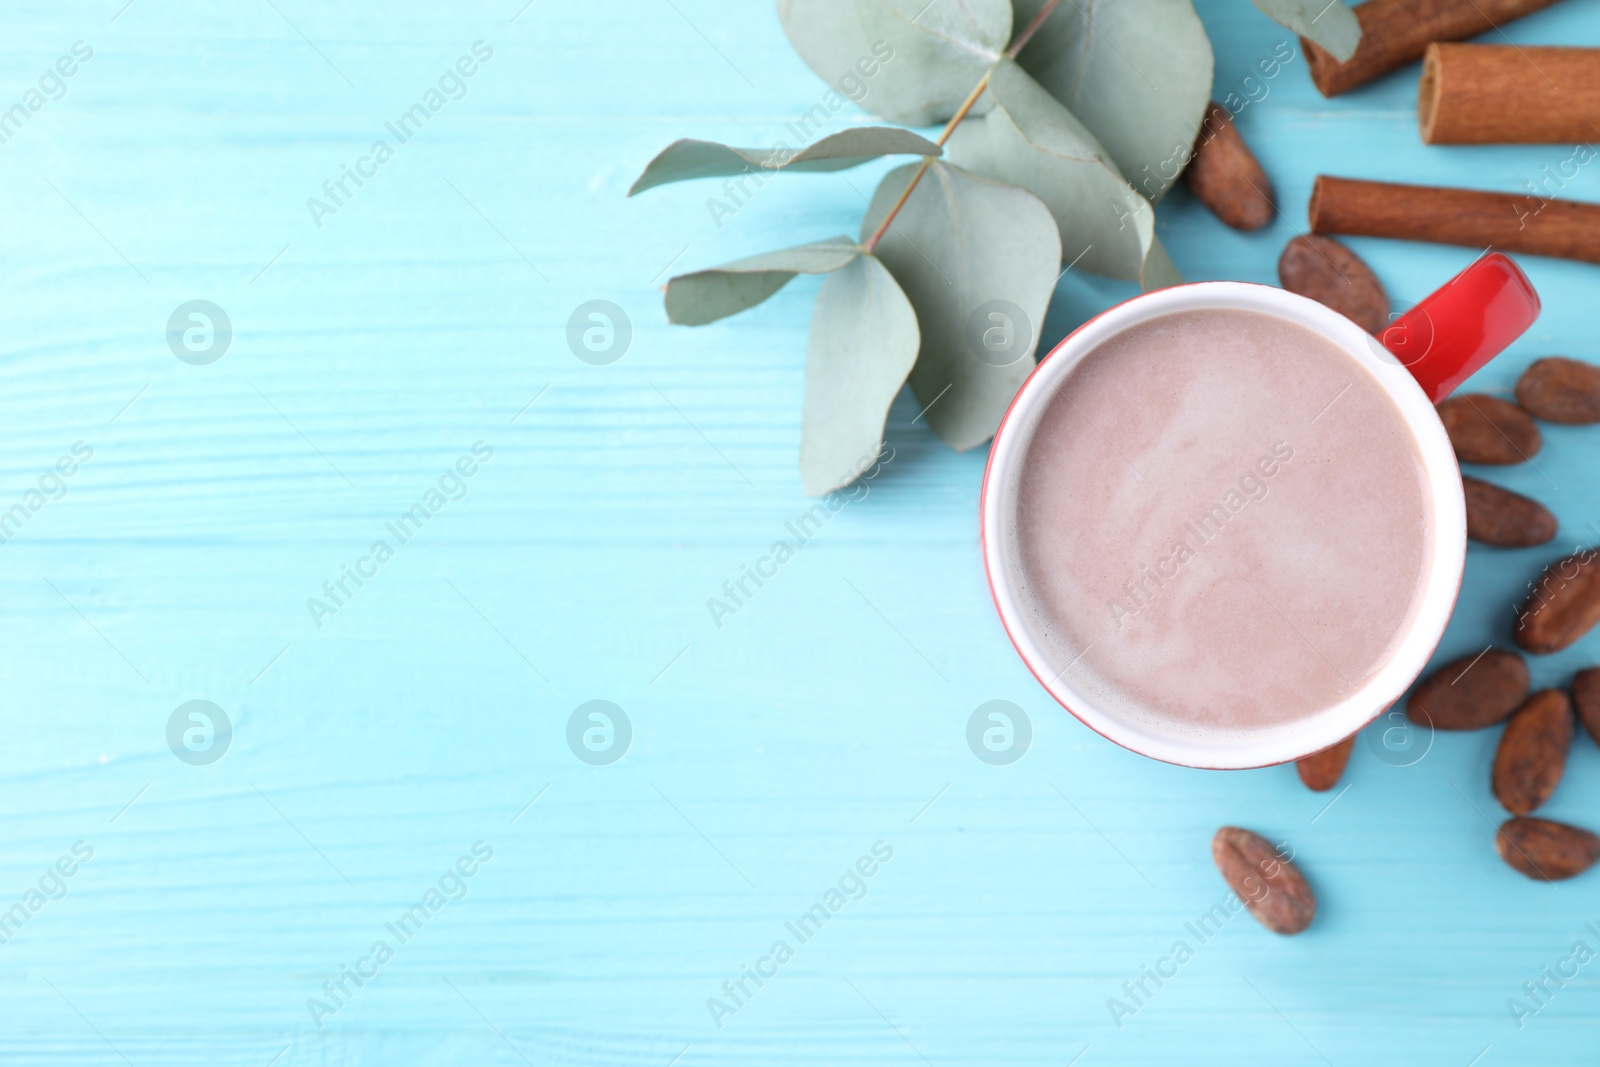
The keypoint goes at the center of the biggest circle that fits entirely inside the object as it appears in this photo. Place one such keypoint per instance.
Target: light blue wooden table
(427, 715)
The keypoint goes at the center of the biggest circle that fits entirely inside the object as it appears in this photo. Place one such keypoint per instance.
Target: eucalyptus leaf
(708, 295)
(863, 343)
(1330, 23)
(686, 159)
(1029, 139)
(1136, 73)
(978, 260)
(1159, 271)
(924, 57)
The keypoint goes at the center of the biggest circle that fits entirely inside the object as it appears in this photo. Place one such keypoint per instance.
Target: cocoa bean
(1321, 771)
(1329, 273)
(1561, 390)
(1486, 429)
(1586, 698)
(1545, 850)
(1533, 752)
(1269, 885)
(1564, 605)
(1225, 175)
(1471, 693)
(1497, 516)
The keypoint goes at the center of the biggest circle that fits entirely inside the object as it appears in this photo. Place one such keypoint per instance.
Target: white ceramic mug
(1418, 360)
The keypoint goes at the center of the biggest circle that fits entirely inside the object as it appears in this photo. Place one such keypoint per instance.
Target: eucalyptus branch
(1009, 212)
(950, 127)
(1011, 51)
(1032, 28)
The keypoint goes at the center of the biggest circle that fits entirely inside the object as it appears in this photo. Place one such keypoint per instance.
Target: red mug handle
(1463, 325)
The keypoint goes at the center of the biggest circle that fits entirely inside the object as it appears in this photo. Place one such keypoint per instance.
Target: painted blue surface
(430, 711)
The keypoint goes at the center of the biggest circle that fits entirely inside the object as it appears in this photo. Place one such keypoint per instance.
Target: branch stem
(927, 161)
(1032, 28)
(955, 120)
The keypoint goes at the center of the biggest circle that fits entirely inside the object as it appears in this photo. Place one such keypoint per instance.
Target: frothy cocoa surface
(1223, 521)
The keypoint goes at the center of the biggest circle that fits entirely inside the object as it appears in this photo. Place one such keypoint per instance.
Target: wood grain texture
(768, 754)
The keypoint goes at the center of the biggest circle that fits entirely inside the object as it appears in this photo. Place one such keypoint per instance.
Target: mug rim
(1283, 742)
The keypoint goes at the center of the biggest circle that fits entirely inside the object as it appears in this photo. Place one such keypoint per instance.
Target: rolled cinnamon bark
(1500, 94)
(1395, 32)
(1506, 222)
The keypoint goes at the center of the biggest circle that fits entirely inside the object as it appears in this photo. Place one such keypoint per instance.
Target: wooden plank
(769, 753)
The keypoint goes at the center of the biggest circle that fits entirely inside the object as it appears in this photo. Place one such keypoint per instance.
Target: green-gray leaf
(924, 57)
(1029, 139)
(1158, 272)
(1330, 23)
(686, 159)
(708, 295)
(1136, 73)
(863, 342)
(978, 260)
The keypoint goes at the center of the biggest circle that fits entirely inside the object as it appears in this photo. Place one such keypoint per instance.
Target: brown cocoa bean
(1533, 752)
(1329, 273)
(1497, 516)
(1321, 771)
(1486, 429)
(1545, 850)
(1586, 699)
(1471, 693)
(1561, 390)
(1225, 175)
(1269, 885)
(1564, 605)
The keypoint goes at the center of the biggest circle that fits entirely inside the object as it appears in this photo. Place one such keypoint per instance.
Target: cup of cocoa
(1223, 524)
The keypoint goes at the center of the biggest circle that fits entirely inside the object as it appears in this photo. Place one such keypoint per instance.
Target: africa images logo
(199, 732)
(199, 332)
(336, 192)
(599, 732)
(999, 732)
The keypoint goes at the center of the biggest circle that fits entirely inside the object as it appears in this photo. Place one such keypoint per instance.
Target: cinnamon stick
(1500, 94)
(1395, 32)
(1506, 222)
